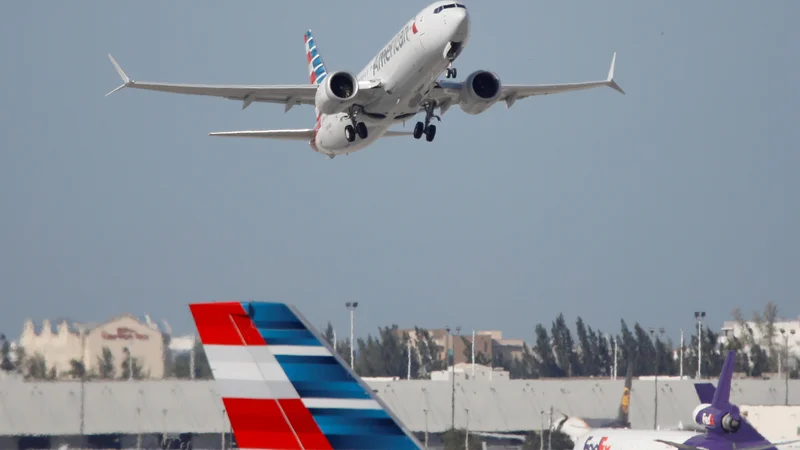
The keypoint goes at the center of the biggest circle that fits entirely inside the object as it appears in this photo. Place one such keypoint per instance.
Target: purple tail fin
(722, 396)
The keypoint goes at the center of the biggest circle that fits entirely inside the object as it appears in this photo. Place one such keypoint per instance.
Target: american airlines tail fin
(623, 419)
(283, 387)
(316, 66)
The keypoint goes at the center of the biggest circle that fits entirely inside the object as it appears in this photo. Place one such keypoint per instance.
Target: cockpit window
(448, 6)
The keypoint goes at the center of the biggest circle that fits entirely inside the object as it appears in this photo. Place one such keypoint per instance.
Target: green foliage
(558, 441)
(77, 369)
(105, 365)
(182, 363)
(5, 356)
(386, 355)
(130, 367)
(37, 367)
(480, 357)
(457, 440)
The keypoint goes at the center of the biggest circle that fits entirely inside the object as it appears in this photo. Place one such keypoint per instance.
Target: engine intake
(730, 424)
(481, 91)
(337, 93)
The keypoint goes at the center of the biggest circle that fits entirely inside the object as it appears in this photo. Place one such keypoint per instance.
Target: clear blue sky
(682, 195)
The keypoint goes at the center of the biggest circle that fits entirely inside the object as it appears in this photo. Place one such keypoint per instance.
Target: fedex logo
(602, 444)
(708, 419)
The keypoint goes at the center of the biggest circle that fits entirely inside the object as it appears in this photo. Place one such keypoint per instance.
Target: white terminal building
(785, 338)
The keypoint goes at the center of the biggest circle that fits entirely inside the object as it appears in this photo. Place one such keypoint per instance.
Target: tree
(558, 440)
(20, 360)
(37, 367)
(480, 357)
(545, 363)
(387, 355)
(105, 364)
(759, 361)
(603, 355)
(5, 355)
(202, 370)
(563, 345)
(77, 369)
(586, 358)
(626, 346)
(429, 353)
(130, 367)
(456, 440)
(645, 353)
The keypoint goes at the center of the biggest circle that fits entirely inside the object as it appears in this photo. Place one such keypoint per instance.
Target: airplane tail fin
(623, 418)
(283, 386)
(316, 66)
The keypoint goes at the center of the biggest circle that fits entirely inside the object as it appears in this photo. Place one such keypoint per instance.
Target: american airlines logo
(602, 444)
(708, 419)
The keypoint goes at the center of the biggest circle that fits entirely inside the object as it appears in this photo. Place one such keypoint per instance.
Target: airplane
(402, 80)
(575, 427)
(724, 427)
(284, 387)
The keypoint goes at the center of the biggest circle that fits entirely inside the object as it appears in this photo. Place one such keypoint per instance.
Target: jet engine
(336, 93)
(728, 421)
(481, 91)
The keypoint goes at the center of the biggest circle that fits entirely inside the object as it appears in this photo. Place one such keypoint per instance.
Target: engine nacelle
(481, 91)
(728, 421)
(336, 93)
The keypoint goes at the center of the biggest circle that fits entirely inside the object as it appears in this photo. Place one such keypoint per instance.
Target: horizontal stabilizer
(766, 446)
(304, 134)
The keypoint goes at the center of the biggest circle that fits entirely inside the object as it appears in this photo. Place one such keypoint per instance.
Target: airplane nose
(459, 21)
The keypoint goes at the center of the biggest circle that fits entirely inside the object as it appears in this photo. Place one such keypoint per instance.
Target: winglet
(611, 83)
(722, 395)
(126, 81)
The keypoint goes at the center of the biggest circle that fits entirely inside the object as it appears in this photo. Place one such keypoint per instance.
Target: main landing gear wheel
(418, 130)
(361, 129)
(426, 127)
(430, 133)
(349, 133)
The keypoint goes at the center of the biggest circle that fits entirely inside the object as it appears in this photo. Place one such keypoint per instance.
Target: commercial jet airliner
(402, 80)
(724, 427)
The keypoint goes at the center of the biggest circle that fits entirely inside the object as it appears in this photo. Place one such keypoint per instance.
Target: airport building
(786, 338)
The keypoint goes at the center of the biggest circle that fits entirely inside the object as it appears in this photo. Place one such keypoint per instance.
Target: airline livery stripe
(260, 424)
(224, 324)
(256, 389)
(224, 370)
(299, 350)
(342, 403)
(222, 353)
(304, 426)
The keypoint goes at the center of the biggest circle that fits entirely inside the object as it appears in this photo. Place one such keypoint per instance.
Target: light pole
(655, 372)
(466, 438)
(615, 357)
(425, 411)
(352, 307)
(453, 375)
(681, 354)
(699, 315)
(541, 431)
(786, 348)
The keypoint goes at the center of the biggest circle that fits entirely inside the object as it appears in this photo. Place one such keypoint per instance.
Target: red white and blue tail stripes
(283, 388)
(316, 67)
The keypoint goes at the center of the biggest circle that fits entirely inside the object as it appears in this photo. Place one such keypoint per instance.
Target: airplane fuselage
(407, 67)
(631, 439)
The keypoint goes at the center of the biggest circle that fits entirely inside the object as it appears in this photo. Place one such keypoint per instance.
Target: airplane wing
(289, 94)
(450, 93)
(303, 134)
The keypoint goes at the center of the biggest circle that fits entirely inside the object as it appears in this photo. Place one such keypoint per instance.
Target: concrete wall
(194, 406)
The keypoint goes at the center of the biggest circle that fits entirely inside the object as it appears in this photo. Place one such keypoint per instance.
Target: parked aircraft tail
(721, 419)
(283, 387)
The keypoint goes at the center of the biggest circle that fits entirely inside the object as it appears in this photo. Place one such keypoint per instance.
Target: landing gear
(361, 129)
(452, 72)
(426, 127)
(349, 133)
(357, 128)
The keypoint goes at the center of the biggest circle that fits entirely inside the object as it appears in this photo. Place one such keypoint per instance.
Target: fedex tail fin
(284, 388)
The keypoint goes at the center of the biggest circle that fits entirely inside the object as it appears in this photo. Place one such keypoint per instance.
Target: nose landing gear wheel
(349, 133)
(361, 129)
(451, 73)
